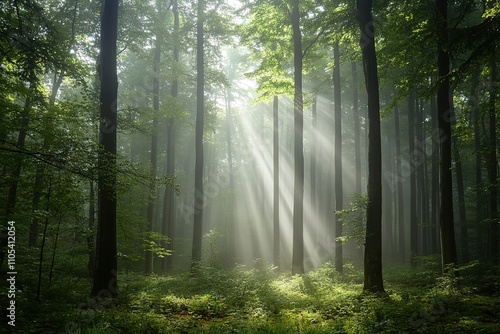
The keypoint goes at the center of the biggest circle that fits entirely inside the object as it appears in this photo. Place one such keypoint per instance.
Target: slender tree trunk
(154, 146)
(54, 251)
(105, 274)
(387, 200)
(373, 281)
(169, 198)
(401, 204)
(357, 136)
(21, 141)
(413, 188)
(448, 247)
(298, 197)
(42, 246)
(338, 158)
(420, 176)
(91, 226)
(464, 237)
(276, 183)
(492, 167)
(435, 180)
(426, 228)
(231, 215)
(198, 175)
(314, 175)
(478, 157)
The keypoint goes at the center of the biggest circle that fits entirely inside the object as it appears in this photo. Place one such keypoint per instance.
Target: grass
(262, 300)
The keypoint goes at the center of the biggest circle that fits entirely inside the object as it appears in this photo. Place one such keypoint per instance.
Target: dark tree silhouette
(298, 107)
(373, 281)
(448, 247)
(105, 283)
(276, 185)
(338, 157)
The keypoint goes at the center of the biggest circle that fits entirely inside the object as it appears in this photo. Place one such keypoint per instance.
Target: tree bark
(91, 226)
(314, 175)
(357, 135)
(479, 205)
(154, 145)
(373, 281)
(198, 174)
(338, 158)
(387, 199)
(492, 167)
(434, 242)
(276, 183)
(448, 247)
(413, 188)
(298, 198)
(169, 198)
(401, 204)
(420, 176)
(464, 237)
(105, 274)
(42, 246)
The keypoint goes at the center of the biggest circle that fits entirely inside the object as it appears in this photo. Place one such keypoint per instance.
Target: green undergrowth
(262, 300)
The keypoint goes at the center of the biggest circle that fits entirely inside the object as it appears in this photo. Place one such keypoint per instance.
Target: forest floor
(262, 300)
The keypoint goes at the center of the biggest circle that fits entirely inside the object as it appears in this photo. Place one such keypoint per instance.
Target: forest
(249, 166)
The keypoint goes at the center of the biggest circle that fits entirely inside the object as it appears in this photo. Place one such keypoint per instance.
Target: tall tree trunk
(276, 182)
(373, 281)
(338, 157)
(54, 250)
(448, 247)
(314, 175)
(464, 237)
(105, 274)
(169, 198)
(492, 167)
(420, 175)
(401, 204)
(413, 188)
(91, 226)
(154, 145)
(387, 200)
(478, 157)
(230, 228)
(198, 174)
(357, 136)
(42, 246)
(425, 198)
(298, 107)
(434, 243)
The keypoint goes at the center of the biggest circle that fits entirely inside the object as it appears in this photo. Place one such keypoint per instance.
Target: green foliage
(493, 12)
(154, 242)
(260, 300)
(354, 219)
(212, 248)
